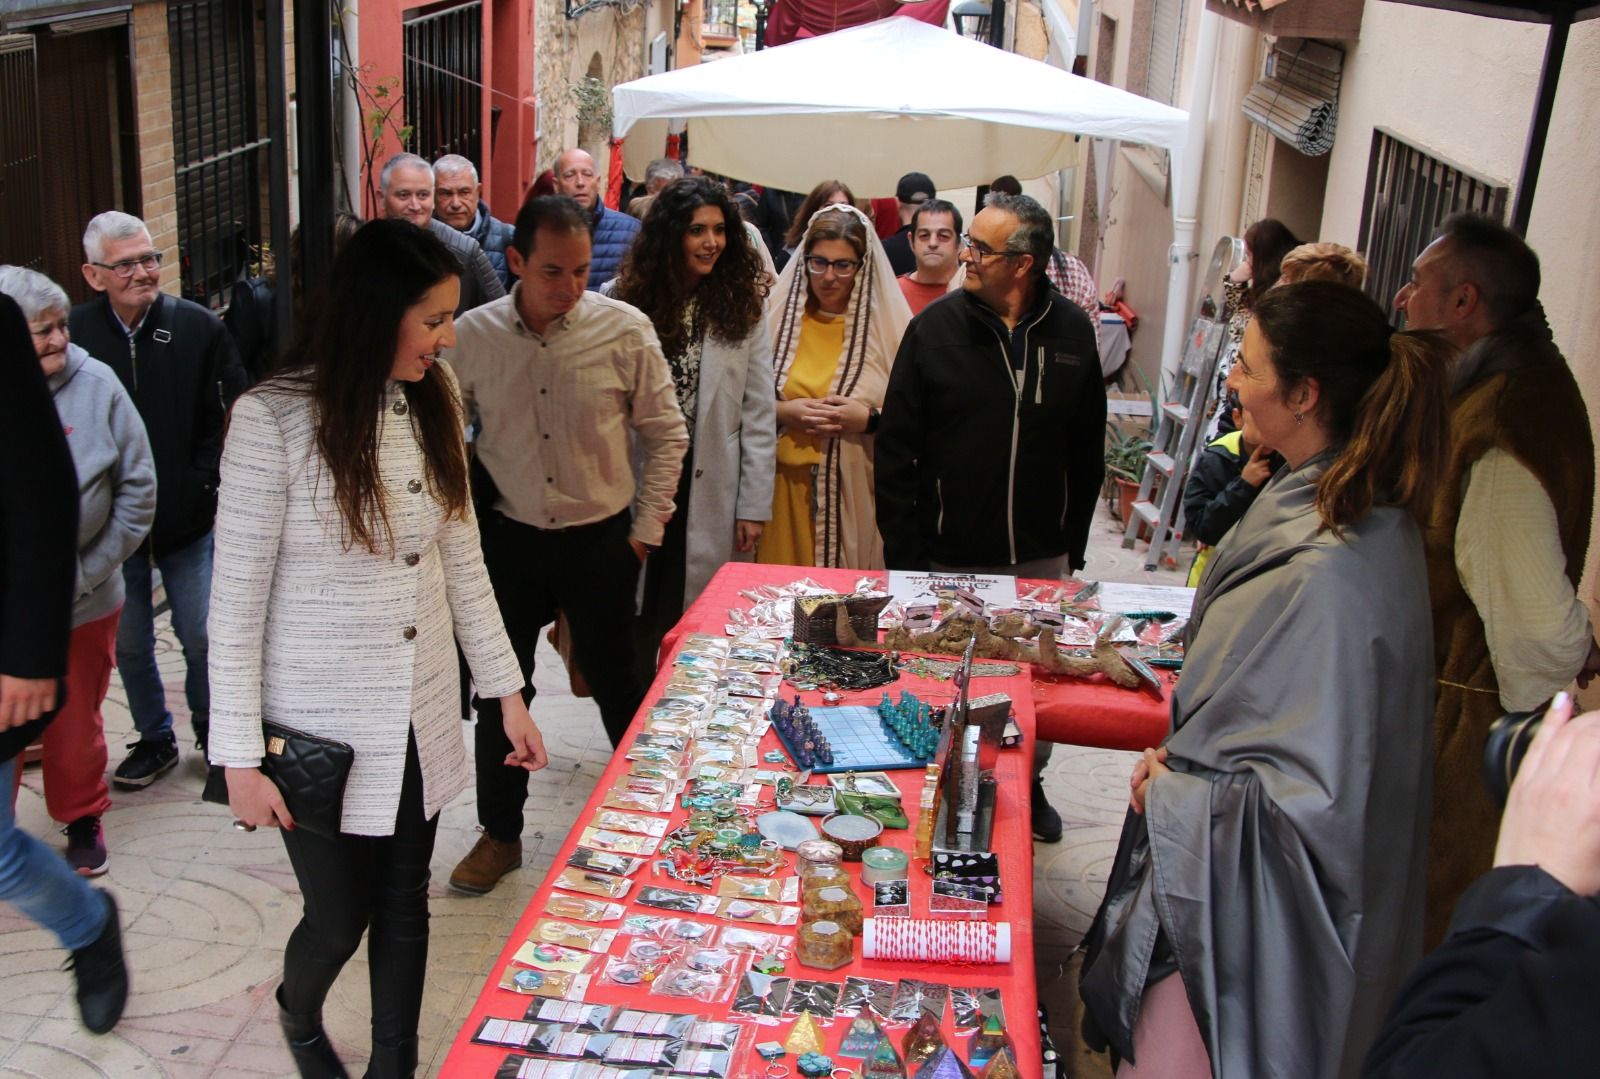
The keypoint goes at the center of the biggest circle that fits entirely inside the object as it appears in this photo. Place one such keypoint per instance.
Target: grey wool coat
(734, 452)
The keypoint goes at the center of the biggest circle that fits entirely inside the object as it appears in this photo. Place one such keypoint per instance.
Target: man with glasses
(179, 364)
(612, 232)
(990, 449)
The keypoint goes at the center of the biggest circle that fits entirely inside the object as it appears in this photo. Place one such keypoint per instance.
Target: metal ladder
(1159, 504)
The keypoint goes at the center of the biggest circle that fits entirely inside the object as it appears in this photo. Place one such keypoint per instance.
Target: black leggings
(349, 882)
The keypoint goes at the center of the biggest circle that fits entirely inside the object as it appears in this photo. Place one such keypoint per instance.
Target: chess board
(860, 740)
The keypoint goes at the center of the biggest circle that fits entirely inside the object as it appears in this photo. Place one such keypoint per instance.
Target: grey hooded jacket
(116, 478)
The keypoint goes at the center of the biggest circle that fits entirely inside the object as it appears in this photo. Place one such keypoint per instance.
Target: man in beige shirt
(576, 401)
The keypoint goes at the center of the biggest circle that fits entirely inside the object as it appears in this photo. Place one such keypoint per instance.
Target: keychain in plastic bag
(554, 984)
(587, 938)
(872, 994)
(761, 996)
(589, 883)
(637, 823)
(572, 1013)
(618, 842)
(913, 997)
(604, 861)
(766, 889)
(745, 910)
(821, 999)
(584, 910)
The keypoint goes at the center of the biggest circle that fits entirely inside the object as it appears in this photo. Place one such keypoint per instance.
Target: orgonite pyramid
(1003, 1065)
(805, 1037)
(922, 1041)
(884, 1063)
(862, 1037)
(944, 1064)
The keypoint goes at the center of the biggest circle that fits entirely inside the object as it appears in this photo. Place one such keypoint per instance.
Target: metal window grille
(219, 142)
(21, 234)
(1408, 194)
(1166, 51)
(443, 82)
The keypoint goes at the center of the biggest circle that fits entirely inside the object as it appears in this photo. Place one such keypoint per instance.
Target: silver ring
(243, 827)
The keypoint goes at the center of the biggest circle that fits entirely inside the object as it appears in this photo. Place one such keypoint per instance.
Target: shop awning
(1338, 20)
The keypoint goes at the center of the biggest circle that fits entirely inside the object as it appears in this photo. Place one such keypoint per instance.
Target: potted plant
(1125, 456)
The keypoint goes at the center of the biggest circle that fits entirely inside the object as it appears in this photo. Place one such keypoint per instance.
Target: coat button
(699, 472)
(409, 633)
(414, 486)
(413, 558)
(400, 408)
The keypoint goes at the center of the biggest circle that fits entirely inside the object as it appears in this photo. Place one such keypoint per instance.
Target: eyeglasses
(125, 268)
(981, 250)
(816, 265)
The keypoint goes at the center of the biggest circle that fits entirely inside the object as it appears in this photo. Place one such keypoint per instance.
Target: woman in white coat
(696, 275)
(347, 564)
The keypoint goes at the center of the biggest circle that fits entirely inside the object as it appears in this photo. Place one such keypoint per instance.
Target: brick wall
(152, 87)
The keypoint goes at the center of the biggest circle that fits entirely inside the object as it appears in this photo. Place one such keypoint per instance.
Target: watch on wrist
(873, 416)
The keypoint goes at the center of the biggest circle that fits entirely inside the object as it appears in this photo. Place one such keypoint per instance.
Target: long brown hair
(1383, 395)
(814, 202)
(1268, 240)
(728, 304)
(343, 358)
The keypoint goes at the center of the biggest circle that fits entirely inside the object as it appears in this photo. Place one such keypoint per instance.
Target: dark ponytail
(1383, 395)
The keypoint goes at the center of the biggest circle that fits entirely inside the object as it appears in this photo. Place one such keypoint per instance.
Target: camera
(1504, 749)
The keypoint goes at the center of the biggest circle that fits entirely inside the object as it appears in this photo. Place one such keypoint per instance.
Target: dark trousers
(589, 574)
(350, 882)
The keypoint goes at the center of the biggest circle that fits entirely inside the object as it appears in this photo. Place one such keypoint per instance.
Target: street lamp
(972, 19)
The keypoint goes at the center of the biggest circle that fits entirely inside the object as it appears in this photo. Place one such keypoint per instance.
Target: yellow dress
(789, 538)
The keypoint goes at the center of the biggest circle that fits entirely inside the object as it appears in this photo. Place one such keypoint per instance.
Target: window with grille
(219, 135)
(443, 81)
(1408, 194)
(21, 238)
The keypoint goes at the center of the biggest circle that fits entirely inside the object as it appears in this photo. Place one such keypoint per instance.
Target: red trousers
(74, 763)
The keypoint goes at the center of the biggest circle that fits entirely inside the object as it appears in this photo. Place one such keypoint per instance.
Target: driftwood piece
(952, 635)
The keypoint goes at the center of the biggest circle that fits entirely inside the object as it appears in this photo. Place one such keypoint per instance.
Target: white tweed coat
(344, 643)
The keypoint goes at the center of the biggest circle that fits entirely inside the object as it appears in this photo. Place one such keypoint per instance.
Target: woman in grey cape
(1266, 899)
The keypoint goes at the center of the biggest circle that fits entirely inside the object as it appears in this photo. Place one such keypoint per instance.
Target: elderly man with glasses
(990, 449)
(179, 364)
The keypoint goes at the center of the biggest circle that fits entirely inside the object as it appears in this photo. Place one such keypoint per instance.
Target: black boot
(309, 1045)
(393, 1061)
(101, 973)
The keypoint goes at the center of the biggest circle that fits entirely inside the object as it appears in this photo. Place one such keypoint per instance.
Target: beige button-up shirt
(558, 410)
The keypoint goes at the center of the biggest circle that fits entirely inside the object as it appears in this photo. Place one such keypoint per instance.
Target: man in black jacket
(180, 365)
(991, 447)
(38, 572)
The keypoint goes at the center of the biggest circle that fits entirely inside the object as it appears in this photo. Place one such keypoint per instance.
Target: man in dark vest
(1509, 530)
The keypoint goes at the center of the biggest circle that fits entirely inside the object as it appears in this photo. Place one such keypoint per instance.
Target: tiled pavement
(207, 909)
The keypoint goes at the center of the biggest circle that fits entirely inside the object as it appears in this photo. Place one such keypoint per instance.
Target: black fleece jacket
(38, 523)
(183, 372)
(991, 447)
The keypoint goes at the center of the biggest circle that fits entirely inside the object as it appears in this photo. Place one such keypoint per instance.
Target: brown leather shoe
(485, 864)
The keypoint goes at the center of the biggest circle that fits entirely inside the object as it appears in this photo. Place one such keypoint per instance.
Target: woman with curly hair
(695, 273)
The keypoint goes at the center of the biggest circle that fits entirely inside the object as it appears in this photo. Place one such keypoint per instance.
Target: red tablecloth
(1012, 842)
(1071, 711)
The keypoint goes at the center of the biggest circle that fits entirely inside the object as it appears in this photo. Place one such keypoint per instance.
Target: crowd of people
(480, 426)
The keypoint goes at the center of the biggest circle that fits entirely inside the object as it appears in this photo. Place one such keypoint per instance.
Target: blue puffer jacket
(494, 236)
(613, 234)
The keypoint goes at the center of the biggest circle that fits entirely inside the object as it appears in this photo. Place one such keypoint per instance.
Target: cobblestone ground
(207, 909)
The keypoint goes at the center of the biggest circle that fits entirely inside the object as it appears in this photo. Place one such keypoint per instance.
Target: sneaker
(485, 864)
(86, 846)
(1046, 821)
(101, 973)
(149, 759)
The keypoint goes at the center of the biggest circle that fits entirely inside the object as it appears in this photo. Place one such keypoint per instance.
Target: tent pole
(1543, 106)
(1181, 256)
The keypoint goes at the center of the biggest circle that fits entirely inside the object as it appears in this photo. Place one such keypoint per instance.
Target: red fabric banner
(791, 20)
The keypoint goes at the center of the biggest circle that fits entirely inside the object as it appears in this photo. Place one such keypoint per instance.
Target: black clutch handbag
(310, 772)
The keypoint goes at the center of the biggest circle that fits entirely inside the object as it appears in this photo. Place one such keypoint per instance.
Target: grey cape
(1280, 865)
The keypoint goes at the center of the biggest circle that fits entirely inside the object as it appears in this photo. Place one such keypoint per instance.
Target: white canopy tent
(870, 103)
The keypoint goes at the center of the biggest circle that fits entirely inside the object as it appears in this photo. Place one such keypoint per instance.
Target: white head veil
(845, 522)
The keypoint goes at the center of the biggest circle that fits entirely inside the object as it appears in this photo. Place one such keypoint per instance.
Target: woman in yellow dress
(835, 328)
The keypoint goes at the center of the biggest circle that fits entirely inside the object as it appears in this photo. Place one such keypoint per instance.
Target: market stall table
(1068, 711)
(1012, 830)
